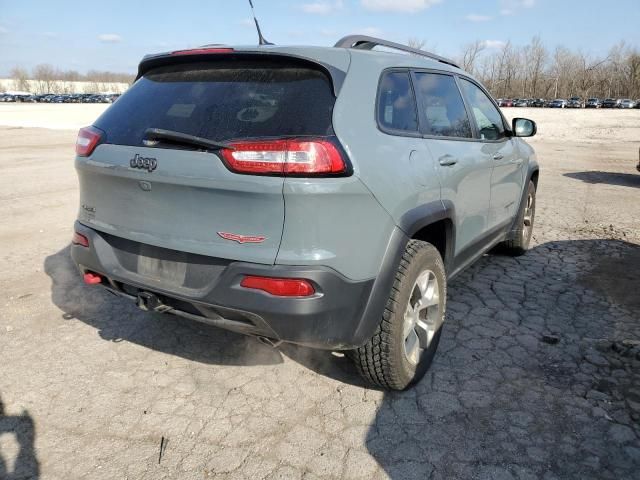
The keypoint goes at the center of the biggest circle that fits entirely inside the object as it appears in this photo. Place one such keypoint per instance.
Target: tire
(401, 350)
(520, 238)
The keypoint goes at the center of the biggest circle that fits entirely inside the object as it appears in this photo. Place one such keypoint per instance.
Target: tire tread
(374, 359)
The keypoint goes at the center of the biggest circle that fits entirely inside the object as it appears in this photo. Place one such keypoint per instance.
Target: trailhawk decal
(242, 238)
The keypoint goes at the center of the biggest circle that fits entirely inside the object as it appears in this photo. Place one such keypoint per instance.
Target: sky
(114, 35)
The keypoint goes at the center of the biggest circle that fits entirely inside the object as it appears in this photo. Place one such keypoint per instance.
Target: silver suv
(319, 196)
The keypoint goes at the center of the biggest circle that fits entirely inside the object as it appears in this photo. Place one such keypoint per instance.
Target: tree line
(506, 69)
(45, 78)
(534, 71)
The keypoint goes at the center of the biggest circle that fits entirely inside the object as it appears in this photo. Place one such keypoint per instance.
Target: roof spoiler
(206, 52)
(364, 42)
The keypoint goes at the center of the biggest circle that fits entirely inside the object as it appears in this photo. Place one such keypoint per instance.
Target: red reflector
(79, 239)
(92, 278)
(297, 157)
(281, 287)
(202, 51)
(88, 138)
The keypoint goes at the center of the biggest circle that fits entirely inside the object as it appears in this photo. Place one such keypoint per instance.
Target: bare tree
(535, 57)
(416, 43)
(470, 55)
(20, 79)
(45, 77)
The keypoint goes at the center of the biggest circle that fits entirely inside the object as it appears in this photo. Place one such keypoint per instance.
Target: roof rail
(364, 42)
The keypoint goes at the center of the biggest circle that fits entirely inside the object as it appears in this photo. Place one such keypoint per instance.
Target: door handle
(447, 160)
(498, 156)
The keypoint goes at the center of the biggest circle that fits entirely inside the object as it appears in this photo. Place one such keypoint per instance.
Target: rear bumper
(341, 315)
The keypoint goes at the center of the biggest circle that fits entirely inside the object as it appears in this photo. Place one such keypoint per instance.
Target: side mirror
(523, 127)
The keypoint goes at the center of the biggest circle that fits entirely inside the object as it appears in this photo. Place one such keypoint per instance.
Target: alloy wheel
(422, 317)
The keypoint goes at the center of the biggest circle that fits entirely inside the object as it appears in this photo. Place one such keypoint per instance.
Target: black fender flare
(427, 214)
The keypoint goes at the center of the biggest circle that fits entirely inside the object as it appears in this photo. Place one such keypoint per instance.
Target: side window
(487, 117)
(396, 102)
(441, 105)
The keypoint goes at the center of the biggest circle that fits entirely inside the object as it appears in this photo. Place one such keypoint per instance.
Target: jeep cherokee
(319, 196)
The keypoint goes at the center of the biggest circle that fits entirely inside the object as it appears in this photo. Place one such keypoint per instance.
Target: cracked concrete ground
(537, 374)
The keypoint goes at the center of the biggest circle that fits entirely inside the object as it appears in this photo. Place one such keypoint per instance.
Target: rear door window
(442, 109)
(224, 100)
(396, 103)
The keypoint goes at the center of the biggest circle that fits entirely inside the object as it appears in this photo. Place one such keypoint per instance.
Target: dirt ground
(537, 375)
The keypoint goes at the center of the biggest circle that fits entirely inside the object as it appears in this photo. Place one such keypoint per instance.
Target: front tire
(520, 237)
(403, 346)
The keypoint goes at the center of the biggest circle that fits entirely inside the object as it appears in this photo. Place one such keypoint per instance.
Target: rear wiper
(183, 138)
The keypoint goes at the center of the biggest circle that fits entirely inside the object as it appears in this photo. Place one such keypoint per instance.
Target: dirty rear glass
(223, 100)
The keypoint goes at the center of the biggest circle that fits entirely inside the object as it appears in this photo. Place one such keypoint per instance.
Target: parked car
(558, 103)
(183, 211)
(521, 102)
(627, 103)
(575, 102)
(506, 103)
(637, 103)
(538, 102)
(593, 103)
(611, 103)
(7, 98)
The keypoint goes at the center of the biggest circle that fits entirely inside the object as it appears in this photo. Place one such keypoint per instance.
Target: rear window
(223, 100)
(396, 103)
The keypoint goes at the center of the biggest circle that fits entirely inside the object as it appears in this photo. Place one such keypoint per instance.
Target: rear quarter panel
(334, 222)
(398, 170)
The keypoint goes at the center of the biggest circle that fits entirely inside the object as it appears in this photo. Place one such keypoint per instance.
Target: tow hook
(150, 303)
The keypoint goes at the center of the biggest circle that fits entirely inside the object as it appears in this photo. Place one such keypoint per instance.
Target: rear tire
(403, 346)
(520, 238)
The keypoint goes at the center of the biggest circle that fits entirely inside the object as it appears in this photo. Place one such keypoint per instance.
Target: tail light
(280, 287)
(79, 239)
(285, 157)
(88, 139)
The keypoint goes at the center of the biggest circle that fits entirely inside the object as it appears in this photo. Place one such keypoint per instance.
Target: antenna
(261, 39)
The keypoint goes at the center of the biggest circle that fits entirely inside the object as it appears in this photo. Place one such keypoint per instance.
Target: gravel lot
(537, 375)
